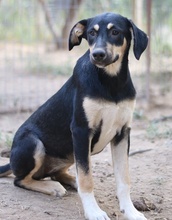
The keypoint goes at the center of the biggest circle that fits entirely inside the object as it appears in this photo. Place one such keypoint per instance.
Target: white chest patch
(113, 117)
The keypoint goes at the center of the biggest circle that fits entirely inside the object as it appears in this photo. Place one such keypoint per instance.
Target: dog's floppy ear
(77, 33)
(140, 40)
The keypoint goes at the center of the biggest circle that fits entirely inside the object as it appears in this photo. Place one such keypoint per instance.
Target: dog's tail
(5, 170)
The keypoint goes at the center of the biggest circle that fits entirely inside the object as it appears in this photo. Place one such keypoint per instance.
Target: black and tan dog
(92, 109)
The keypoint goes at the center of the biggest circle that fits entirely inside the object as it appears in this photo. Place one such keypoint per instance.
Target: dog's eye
(92, 33)
(115, 32)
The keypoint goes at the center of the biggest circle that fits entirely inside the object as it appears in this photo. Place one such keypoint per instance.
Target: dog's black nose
(99, 55)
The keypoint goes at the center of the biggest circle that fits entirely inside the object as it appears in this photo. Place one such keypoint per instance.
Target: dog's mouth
(101, 59)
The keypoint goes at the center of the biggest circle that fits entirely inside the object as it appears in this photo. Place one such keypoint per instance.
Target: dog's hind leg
(63, 177)
(119, 148)
(32, 163)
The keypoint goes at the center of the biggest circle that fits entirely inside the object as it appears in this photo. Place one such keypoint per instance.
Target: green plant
(152, 131)
(139, 114)
(20, 24)
(158, 130)
(8, 140)
(44, 68)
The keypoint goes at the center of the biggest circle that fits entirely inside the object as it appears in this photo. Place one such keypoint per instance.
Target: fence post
(148, 51)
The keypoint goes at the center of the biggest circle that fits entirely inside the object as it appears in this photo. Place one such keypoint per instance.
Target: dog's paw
(133, 215)
(60, 193)
(58, 190)
(96, 215)
(91, 209)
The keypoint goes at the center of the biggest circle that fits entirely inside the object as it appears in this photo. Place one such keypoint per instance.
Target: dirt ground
(151, 176)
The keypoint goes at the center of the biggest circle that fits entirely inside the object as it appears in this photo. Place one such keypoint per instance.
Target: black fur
(4, 168)
(120, 135)
(96, 135)
(124, 133)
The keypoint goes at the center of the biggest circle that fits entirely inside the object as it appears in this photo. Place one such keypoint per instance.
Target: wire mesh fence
(34, 61)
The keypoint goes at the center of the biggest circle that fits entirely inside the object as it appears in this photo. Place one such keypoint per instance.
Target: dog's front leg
(81, 144)
(119, 149)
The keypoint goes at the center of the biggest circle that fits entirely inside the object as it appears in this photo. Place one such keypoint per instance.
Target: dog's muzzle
(99, 55)
(100, 58)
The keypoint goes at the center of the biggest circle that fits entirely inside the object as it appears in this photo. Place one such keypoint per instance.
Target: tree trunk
(61, 41)
(73, 9)
(148, 51)
(49, 22)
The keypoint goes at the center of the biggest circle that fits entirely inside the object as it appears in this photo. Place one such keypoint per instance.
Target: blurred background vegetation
(33, 46)
(24, 21)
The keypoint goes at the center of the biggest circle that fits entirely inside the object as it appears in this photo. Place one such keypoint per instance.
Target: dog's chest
(108, 118)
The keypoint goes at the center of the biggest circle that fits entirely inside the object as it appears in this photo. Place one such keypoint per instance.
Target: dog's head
(109, 36)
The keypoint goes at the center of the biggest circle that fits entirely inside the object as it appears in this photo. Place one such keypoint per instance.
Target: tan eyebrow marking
(96, 27)
(109, 26)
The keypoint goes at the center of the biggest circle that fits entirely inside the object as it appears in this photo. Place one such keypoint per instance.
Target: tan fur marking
(109, 26)
(121, 172)
(120, 161)
(78, 31)
(64, 177)
(52, 164)
(96, 27)
(39, 156)
(118, 114)
(85, 181)
(92, 48)
(114, 68)
(43, 186)
(114, 117)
